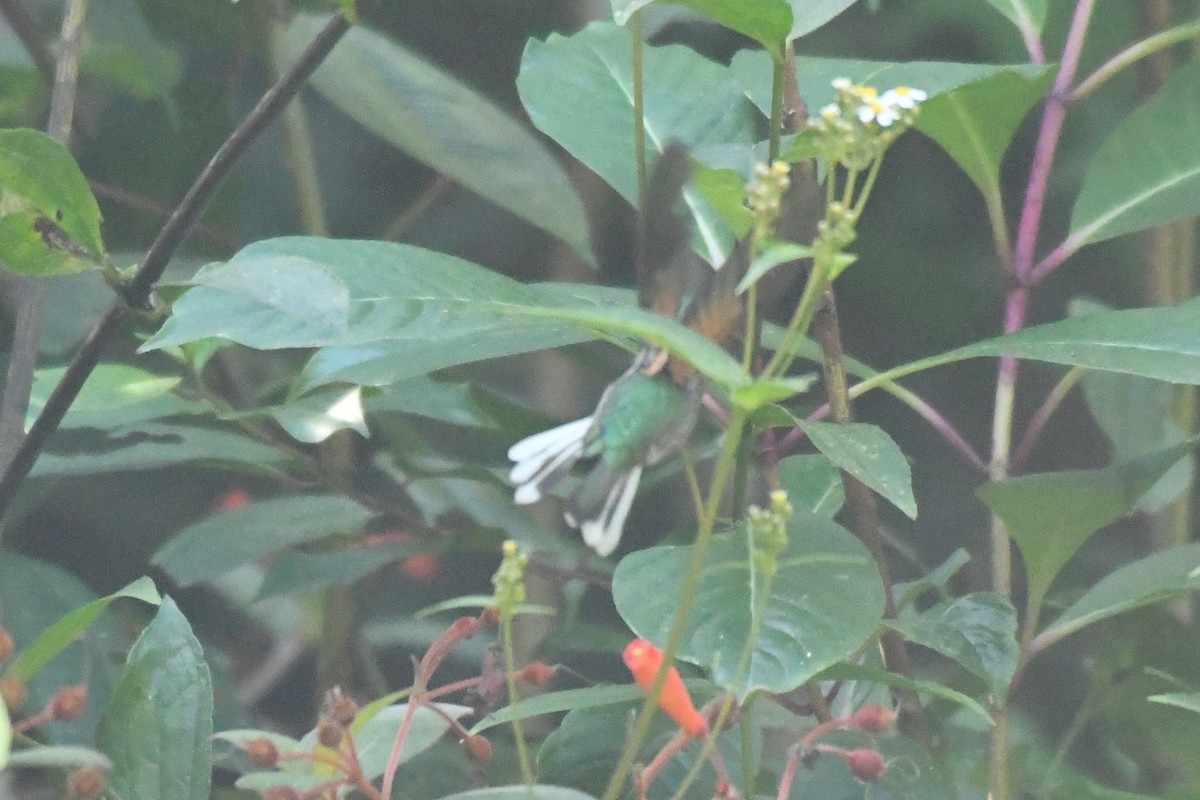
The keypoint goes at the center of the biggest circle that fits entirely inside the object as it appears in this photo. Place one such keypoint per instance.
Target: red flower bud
(478, 748)
(873, 718)
(262, 751)
(13, 691)
(644, 661)
(6, 644)
(866, 764)
(69, 703)
(535, 674)
(330, 733)
(85, 782)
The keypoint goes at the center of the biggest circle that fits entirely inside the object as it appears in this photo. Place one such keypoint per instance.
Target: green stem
(777, 82)
(801, 318)
(639, 105)
(510, 676)
(1147, 47)
(687, 598)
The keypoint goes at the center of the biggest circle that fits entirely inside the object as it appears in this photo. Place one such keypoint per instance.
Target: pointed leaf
(1148, 170)
(869, 454)
(579, 91)
(825, 601)
(767, 21)
(223, 541)
(812, 14)
(978, 631)
(861, 672)
(315, 417)
(443, 123)
(158, 728)
(554, 702)
(374, 737)
(1051, 515)
(68, 629)
(294, 572)
(1022, 13)
(110, 390)
(1157, 577)
(49, 220)
(1189, 701)
(813, 484)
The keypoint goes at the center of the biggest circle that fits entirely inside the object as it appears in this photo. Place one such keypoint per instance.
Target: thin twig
(168, 242)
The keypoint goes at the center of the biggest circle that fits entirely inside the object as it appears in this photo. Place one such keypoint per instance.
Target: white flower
(875, 110)
(903, 97)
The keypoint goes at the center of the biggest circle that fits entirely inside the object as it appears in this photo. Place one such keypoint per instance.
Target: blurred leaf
(1051, 515)
(771, 256)
(762, 392)
(869, 454)
(1148, 170)
(724, 188)
(294, 572)
(979, 631)
(1157, 577)
(812, 14)
(937, 578)
(766, 21)
(53, 756)
(49, 220)
(5, 734)
(534, 792)
(123, 50)
(154, 445)
(975, 123)
(71, 626)
(554, 702)
(1189, 701)
(315, 417)
(108, 392)
(459, 404)
(575, 87)
(157, 729)
(374, 739)
(312, 292)
(859, 672)
(34, 596)
(1021, 12)
(813, 484)
(219, 543)
(824, 603)
(240, 738)
(445, 124)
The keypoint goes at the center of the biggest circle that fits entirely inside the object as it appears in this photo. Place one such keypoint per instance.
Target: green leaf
(1157, 577)
(813, 484)
(49, 220)
(223, 541)
(1148, 170)
(975, 123)
(432, 309)
(1022, 13)
(937, 579)
(812, 14)
(292, 572)
(825, 601)
(54, 756)
(108, 392)
(157, 729)
(858, 672)
(461, 404)
(5, 734)
(771, 256)
(762, 391)
(555, 702)
(1051, 515)
(978, 631)
(445, 124)
(869, 454)
(579, 91)
(315, 417)
(1185, 700)
(154, 445)
(767, 21)
(68, 629)
(374, 737)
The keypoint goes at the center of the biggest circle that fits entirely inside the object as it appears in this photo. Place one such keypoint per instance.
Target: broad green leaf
(579, 91)
(154, 445)
(771, 256)
(811, 14)
(445, 124)
(869, 454)
(767, 21)
(108, 392)
(1051, 515)
(1022, 13)
(459, 404)
(294, 572)
(1189, 701)
(68, 629)
(975, 123)
(433, 309)
(534, 792)
(158, 728)
(753, 69)
(1157, 577)
(54, 756)
(1148, 170)
(813, 484)
(49, 220)
(35, 596)
(825, 601)
(978, 631)
(555, 702)
(317, 416)
(219, 543)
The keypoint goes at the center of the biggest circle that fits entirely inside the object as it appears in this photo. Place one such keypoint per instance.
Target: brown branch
(170, 238)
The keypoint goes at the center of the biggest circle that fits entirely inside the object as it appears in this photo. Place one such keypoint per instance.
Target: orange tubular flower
(644, 660)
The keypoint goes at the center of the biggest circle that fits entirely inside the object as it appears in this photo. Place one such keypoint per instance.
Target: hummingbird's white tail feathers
(602, 532)
(544, 458)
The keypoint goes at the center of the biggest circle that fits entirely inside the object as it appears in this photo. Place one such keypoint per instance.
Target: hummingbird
(649, 412)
